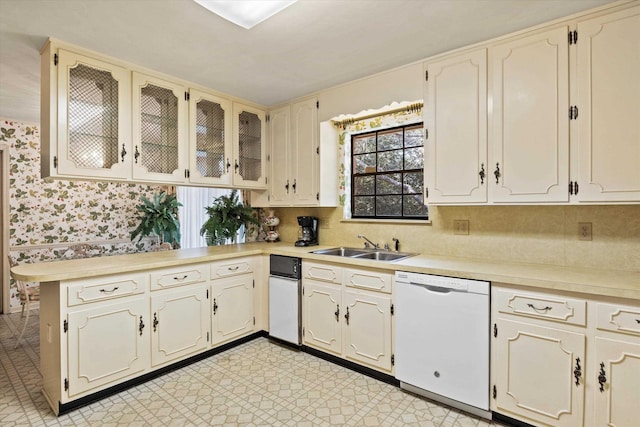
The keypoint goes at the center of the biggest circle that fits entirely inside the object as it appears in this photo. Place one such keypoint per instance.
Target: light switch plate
(461, 226)
(584, 231)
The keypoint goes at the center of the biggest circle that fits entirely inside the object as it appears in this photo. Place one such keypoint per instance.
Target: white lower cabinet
(348, 322)
(107, 344)
(179, 323)
(533, 367)
(565, 359)
(232, 308)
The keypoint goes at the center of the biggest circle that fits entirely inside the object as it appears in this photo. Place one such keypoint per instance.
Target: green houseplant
(158, 216)
(226, 215)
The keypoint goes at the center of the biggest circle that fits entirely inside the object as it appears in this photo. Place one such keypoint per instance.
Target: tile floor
(255, 384)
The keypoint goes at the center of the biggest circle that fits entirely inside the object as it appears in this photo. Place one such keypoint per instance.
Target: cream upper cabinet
(280, 156)
(86, 117)
(529, 131)
(294, 159)
(249, 145)
(607, 138)
(456, 126)
(210, 139)
(159, 130)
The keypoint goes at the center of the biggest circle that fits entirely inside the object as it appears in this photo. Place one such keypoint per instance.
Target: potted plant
(160, 217)
(226, 215)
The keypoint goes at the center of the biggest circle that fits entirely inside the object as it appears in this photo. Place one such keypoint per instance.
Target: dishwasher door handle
(434, 288)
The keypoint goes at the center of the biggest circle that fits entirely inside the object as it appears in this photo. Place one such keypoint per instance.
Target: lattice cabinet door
(249, 144)
(94, 110)
(210, 139)
(160, 143)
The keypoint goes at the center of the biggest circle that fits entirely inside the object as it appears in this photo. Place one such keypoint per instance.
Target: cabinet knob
(346, 316)
(228, 165)
(136, 154)
(236, 166)
(141, 326)
(602, 377)
(123, 153)
(481, 173)
(337, 313)
(497, 173)
(294, 186)
(287, 186)
(155, 321)
(577, 371)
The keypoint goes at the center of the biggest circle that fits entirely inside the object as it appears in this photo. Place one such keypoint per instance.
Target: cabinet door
(107, 344)
(159, 130)
(305, 159)
(179, 323)
(321, 310)
(529, 137)
(456, 121)
(608, 101)
(534, 373)
(210, 140)
(94, 110)
(280, 179)
(232, 308)
(616, 382)
(367, 329)
(249, 147)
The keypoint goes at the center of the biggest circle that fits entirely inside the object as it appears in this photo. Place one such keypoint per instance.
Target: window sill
(387, 221)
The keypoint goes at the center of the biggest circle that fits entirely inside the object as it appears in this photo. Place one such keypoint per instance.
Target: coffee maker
(308, 235)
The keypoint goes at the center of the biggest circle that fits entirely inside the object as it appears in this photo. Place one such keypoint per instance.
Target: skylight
(245, 13)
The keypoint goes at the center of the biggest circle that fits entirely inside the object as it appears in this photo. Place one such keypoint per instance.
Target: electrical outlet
(461, 226)
(324, 223)
(584, 231)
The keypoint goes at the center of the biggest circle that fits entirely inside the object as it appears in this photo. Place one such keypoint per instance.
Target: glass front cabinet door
(249, 142)
(159, 133)
(210, 152)
(93, 129)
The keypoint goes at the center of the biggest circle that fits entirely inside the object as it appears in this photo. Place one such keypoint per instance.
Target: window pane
(413, 206)
(364, 163)
(364, 206)
(390, 140)
(413, 158)
(413, 137)
(413, 182)
(364, 185)
(389, 183)
(390, 161)
(389, 206)
(364, 144)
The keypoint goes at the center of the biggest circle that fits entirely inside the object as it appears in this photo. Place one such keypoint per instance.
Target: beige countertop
(612, 283)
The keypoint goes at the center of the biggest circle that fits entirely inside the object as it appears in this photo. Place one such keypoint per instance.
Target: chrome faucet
(368, 242)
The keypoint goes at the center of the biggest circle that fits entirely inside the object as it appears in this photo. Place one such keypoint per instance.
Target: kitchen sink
(373, 254)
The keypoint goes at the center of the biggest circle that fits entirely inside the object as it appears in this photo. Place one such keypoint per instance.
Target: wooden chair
(27, 294)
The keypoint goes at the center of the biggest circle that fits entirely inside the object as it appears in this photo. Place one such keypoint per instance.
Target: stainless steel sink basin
(373, 254)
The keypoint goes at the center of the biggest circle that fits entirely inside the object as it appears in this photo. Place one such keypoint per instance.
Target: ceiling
(309, 46)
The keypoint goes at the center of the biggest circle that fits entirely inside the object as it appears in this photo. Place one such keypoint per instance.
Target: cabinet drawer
(172, 277)
(550, 307)
(105, 288)
(618, 318)
(368, 279)
(322, 272)
(232, 267)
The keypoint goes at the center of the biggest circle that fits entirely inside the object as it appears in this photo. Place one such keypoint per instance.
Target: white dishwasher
(442, 339)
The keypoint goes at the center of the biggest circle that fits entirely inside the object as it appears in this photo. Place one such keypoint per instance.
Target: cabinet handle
(602, 378)
(337, 313)
(136, 154)
(637, 320)
(540, 310)
(141, 326)
(233, 268)
(497, 173)
(481, 173)
(123, 153)
(236, 166)
(104, 291)
(577, 371)
(215, 306)
(294, 186)
(287, 186)
(180, 278)
(155, 322)
(228, 165)
(346, 316)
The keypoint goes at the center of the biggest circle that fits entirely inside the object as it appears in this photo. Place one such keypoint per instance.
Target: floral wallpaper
(412, 114)
(57, 219)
